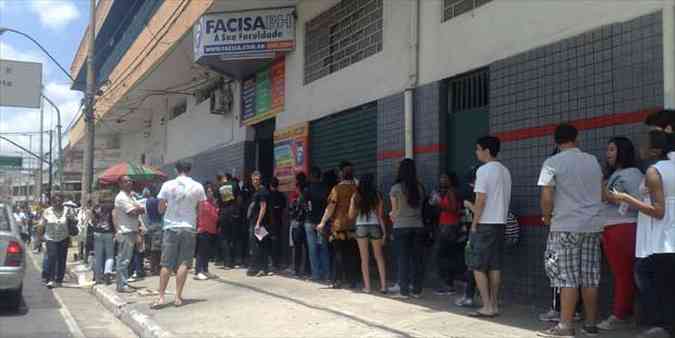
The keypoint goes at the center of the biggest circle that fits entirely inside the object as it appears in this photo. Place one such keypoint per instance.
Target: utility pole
(88, 174)
(41, 148)
(51, 151)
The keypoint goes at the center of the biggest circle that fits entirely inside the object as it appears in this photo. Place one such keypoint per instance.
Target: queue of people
(625, 211)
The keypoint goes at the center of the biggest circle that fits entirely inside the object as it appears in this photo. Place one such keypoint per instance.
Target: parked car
(12, 259)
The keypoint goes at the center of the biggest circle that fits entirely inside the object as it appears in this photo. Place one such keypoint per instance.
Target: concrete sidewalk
(234, 305)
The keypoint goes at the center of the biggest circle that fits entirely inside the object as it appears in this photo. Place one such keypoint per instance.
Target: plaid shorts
(572, 259)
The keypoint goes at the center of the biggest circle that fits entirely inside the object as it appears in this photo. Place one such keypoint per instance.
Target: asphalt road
(65, 312)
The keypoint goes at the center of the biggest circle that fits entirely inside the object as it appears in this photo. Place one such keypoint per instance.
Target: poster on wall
(253, 34)
(291, 152)
(262, 95)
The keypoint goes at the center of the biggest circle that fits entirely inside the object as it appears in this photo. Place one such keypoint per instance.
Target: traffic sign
(11, 161)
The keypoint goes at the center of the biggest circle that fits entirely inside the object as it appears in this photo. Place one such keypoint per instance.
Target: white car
(12, 258)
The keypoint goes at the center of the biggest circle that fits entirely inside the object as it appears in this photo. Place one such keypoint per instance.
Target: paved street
(43, 315)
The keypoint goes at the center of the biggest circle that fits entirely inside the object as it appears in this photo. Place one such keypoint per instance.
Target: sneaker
(557, 332)
(131, 279)
(395, 289)
(465, 302)
(50, 285)
(654, 332)
(201, 276)
(416, 295)
(125, 289)
(260, 274)
(550, 316)
(271, 273)
(445, 291)
(399, 295)
(590, 330)
(614, 323)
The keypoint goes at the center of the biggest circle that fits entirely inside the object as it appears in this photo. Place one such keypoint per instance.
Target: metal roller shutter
(349, 135)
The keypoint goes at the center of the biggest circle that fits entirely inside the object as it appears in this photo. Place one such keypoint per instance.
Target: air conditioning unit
(221, 100)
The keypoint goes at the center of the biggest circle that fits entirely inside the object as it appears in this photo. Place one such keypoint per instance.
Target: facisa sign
(252, 34)
(20, 84)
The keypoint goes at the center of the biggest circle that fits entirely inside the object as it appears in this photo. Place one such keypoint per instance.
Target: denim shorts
(178, 248)
(369, 231)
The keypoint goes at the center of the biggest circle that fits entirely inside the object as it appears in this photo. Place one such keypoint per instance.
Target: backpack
(511, 231)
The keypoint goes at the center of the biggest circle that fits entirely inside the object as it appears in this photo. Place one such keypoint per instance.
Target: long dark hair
(367, 198)
(625, 154)
(407, 177)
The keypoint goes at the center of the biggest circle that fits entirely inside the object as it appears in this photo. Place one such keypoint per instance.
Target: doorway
(469, 118)
(264, 145)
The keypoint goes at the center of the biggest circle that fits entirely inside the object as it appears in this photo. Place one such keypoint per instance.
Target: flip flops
(477, 314)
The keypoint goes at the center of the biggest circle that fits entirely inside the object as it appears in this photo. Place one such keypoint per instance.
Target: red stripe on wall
(581, 124)
(426, 149)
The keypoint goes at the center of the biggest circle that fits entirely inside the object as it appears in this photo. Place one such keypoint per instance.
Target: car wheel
(15, 298)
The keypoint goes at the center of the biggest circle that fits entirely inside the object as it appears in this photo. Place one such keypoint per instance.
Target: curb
(141, 324)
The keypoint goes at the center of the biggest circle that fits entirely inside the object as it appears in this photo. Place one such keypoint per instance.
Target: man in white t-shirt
(486, 240)
(178, 201)
(127, 221)
(571, 203)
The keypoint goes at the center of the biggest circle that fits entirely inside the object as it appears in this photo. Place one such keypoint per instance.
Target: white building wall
(197, 130)
(377, 76)
(504, 28)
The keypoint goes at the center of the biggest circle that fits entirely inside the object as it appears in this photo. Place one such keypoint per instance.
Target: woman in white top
(655, 239)
(54, 227)
(366, 207)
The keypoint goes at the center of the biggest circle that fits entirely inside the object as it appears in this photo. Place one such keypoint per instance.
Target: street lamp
(58, 112)
(5, 29)
(58, 141)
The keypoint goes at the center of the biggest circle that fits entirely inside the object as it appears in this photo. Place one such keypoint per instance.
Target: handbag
(73, 229)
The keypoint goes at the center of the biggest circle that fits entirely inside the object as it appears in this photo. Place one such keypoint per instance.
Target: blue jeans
(57, 252)
(319, 255)
(410, 245)
(103, 252)
(125, 250)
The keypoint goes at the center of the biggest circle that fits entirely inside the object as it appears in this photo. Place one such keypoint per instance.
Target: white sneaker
(201, 276)
(614, 323)
(654, 332)
(398, 295)
(465, 302)
(131, 279)
(395, 289)
(550, 316)
(50, 285)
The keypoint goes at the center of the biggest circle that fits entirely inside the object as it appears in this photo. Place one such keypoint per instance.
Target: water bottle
(623, 208)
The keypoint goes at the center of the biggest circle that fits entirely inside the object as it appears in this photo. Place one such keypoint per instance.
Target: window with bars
(469, 91)
(345, 34)
(454, 8)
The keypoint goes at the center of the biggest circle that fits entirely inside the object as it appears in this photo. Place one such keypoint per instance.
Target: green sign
(11, 161)
(263, 89)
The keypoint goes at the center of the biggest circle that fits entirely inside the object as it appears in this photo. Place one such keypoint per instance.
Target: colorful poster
(263, 94)
(248, 89)
(291, 150)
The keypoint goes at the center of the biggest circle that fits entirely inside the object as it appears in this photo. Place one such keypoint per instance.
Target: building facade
(374, 81)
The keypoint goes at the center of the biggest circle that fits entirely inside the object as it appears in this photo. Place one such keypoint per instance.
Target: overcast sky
(58, 25)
